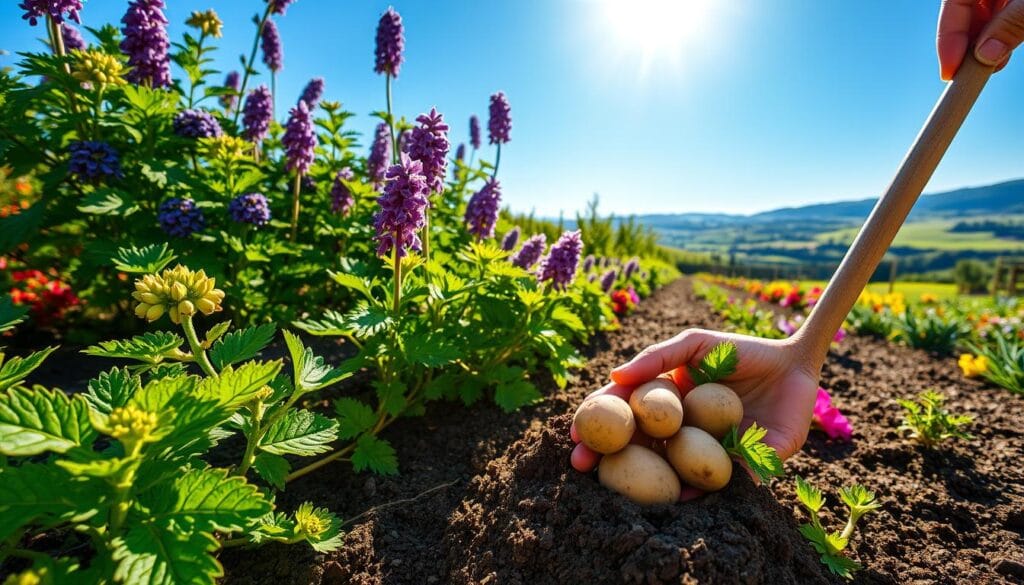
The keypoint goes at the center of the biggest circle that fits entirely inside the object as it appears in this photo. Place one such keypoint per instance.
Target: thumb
(662, 357)
(1002, 35)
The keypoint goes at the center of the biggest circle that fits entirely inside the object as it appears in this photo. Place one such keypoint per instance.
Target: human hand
(996, 27)
(777, 380)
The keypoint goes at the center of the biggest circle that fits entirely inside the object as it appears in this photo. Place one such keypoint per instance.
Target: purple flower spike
(500, 123)
(531, 251)
(402, 208)
(313, 92)
(508, 243)
(146, 44)
(257, 113)
(196, 124)
(55, 9)
(180, 217)
(559, 266)
(279, 6)
(482, 210)
(270, 41)
(588, 263)
(73, 40)
(428, 143)
(299, 139)
(93, 161)
(474, 132)
(608, 280)
(630, 267)
(390, 43)
(380, 152)
(229, 100)
(341, 196)
(460, 152)
(251, 208)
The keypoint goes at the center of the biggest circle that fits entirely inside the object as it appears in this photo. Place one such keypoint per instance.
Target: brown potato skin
(699, 459)
(605, 423)
(713, 408)
(657, 408)
(639, 474)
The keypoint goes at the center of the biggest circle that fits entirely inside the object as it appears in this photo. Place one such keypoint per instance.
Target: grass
(935, 235)
(912, 291)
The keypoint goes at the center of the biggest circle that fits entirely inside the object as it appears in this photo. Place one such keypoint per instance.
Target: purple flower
(630, 267)
(531, 251)
(229, 100)
(251, 208)
(55, 9)
(299, 140)
(403, 140)
(508, 243)
(608, 279)
(180, 217)
(257, 113)
(482, 210)
(474, 132)
(196, 124)
(73, 40)
(93, 161)
(402, 208)
(341, 196)
(146, 44)
(279, 6)
(460, 152)
(380, 153)
(390, 43)
(312, 93)
(270, 41)
(428, 143)
(588, 263)
(500, 124)
(559, 266)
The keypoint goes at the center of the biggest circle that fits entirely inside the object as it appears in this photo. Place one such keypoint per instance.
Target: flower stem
(398, 275)
(252, 56)
(391, 121)
(273, 95)
(295, 204)
(252, 438)
(319, 463)
(197, 348)
(497, 161)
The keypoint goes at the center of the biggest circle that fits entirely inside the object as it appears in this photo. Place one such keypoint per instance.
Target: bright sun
(657, 30)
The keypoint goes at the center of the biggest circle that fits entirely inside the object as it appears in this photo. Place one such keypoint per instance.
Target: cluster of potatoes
(685, 439)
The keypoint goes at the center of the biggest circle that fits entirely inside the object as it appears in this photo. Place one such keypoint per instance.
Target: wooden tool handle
(891, 211)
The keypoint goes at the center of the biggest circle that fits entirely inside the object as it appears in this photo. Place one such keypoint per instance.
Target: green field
(912, 291)
(935, 235)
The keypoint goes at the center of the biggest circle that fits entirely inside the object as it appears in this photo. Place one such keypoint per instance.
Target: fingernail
(991, 52)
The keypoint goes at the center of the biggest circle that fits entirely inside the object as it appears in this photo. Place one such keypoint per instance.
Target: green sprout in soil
(831, 545)
(929, 423)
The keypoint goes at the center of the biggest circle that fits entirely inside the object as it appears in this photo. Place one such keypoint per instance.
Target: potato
(699, 459)
(657, 408)
(641, 475)
(605, 423)
(714, 408)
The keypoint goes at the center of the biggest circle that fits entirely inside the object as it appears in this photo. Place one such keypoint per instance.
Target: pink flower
(839, 336)
(633, 296)
(828, 418)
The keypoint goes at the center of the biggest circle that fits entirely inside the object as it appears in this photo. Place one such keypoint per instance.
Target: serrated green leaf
(150, 554)
(565, 316)
(430, 350)
(836, 542)
(145, 260)
(719, 363)
(214, 333)
(319, 527)
(235, 387)
(300, 432)
(368, 320)
(166, 370)
(310, 371)
(16, 369)
(354, 417)
(38, 420)
(331, 323)
(158, 394)
(204, 500)
(148, 347)
(810, 496)
(762, 459)
(816, 536)
(43, 495)
(106, 202)
(857, 497)
(353, 282)
(516, 394)
(391, 396)
(374, 454)
(98, 468)
(272, 468)
(112, 389)
(840, 565)
(241, 345)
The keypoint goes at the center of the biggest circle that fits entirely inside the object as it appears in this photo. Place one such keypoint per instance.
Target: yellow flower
(929, 298)
(97, 67)
(312, 521)
(223, 148)
(29, 577)
(973, 366)
(179, 292)
(131, 424)
(208, 22)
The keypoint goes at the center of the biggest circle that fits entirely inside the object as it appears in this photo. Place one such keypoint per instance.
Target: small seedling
(930, 423)
(719, 363)
(759, 457)
(830, 545)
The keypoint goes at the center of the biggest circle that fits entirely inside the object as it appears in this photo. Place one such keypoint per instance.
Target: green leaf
(236, 387)
(300, 432)
(840, 565)
(112, 389)
(150, 554)
(810, 496)
(565, 316)
(39, 420)
(241, 345)
(272, 468)
(761, 458)
(214, 333)
(159, 394)
(331, 323)
(857, 497)
(148, 347)
(513, 395)
(719, 363)
(21, 227)
(106, 202)
(816, 536)
(431, 350)
(43, 495)
(374, 454)
(319, 527)
(204, 500)
(352, 282)
(99, 468)
(354, 417)
(16, 369)
(836, 542)
(145, 260)
(367, 320)
(311, 373)
(11, 314)
(391, 396)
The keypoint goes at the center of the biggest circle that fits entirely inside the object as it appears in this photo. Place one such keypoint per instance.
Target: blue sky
(733, 107)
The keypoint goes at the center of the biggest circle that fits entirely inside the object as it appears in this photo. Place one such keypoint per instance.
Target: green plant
(831, 546)
(929, 423)
(865, 320)
(928, 330)
(1004, 361)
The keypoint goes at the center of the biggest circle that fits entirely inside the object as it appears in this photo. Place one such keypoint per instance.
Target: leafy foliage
(831, 546)
(719, 363)
(762, 459)
(929, 423)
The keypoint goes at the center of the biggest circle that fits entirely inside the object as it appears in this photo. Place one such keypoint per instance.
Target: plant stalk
(295, 205)
(197, 348)
(252, 57)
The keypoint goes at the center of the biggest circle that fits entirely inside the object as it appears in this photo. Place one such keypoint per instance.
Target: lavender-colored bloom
(390, 43)
(508, 243)
(55, 9)
(73, 40)
(531, 251)
(588, 263)
(299, 140)
(592, 277)
(380, 153)
(146, 44)
(482, 210)
(279, 6)
(608, 279)
(250, 208)
(402, 208)
(460, 152)
(559, 266)
(474, 132)
(630, 267)
(270, 41)
(229, 100)
(180, 217)
(257, 113)
(341, 196)
(500, 124)
(428, 143)
(196, 124)
(312, 93)
(93, 161)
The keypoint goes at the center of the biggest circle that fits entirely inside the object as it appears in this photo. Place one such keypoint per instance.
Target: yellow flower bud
(141, 309)
(154, 313)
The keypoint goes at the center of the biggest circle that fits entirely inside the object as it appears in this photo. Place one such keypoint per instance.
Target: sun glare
(657, 30)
